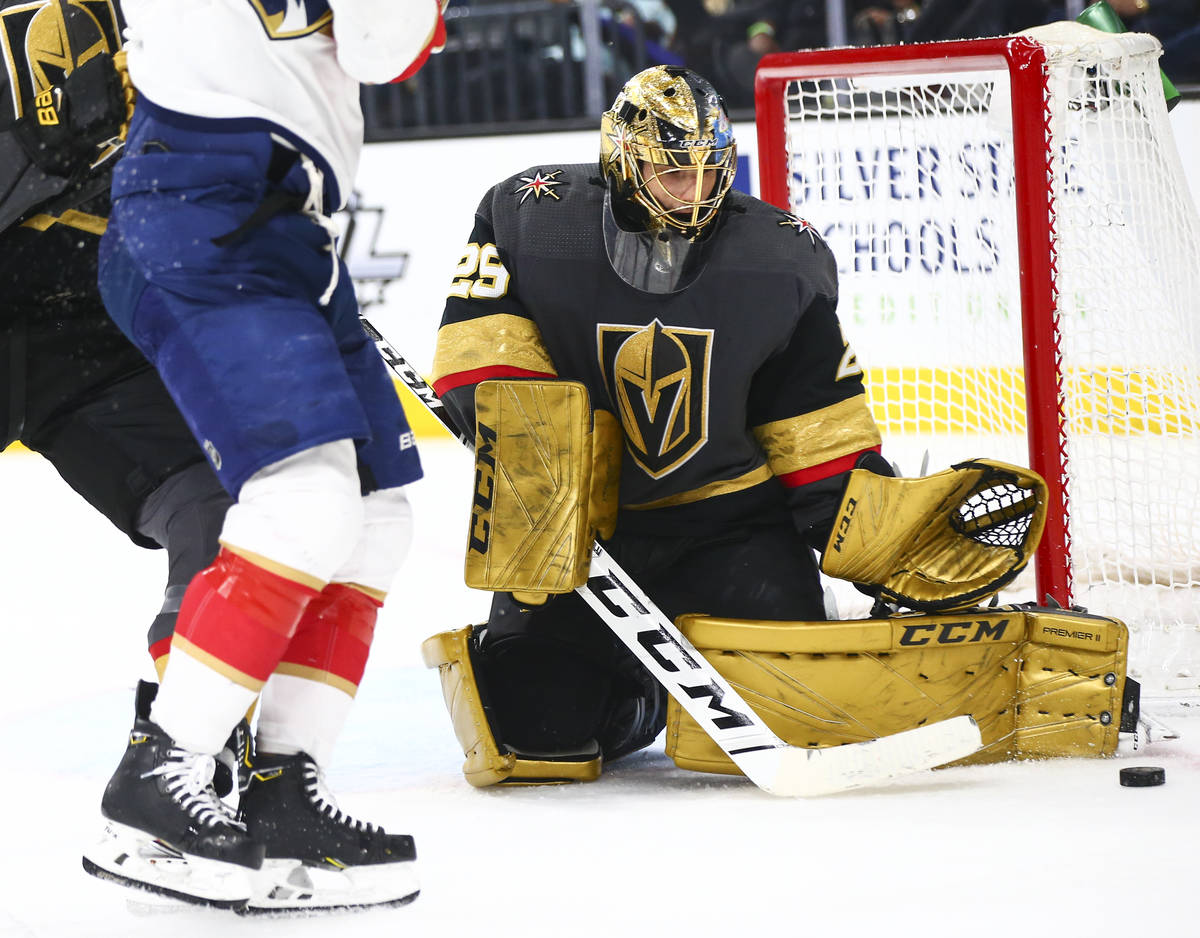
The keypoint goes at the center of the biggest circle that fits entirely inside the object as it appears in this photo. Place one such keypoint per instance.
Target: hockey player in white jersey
(219, 263)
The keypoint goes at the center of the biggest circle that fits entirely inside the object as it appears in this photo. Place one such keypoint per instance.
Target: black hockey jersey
(735, 394)
(46, 39)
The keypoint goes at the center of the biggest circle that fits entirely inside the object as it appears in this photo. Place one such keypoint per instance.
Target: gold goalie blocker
(1039, 682)
(546, 477)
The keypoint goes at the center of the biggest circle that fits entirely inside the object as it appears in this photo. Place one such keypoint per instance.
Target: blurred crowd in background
(513, 65)
(725, 38)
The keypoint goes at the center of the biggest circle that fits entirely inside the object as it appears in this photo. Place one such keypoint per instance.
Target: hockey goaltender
(595, 346)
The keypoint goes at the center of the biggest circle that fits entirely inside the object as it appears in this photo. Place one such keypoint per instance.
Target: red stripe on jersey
(334, 635)
(475, 375)
(241, 614)
(161, 647)
(794, 480)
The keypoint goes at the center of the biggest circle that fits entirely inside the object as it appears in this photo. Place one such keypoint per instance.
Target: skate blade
(288, 887)
(135, 859)
(148, 904)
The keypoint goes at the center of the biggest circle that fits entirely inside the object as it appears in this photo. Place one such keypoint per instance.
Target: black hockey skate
(317, 857)
(233, 762)
(166, 829)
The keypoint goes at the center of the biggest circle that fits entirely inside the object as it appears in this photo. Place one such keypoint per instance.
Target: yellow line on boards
(970, 400)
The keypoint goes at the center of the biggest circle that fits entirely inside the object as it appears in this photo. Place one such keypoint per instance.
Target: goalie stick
(769, 762)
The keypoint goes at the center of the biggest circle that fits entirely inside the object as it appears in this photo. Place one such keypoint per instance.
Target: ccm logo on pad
(954, 633)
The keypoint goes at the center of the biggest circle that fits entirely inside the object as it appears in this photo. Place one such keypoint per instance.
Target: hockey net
(1018, 255)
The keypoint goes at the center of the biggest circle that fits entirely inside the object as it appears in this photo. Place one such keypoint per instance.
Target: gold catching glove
(941, 542)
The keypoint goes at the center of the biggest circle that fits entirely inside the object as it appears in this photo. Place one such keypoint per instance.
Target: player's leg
(539, 693)
(564, 650)
(92, 404)
(123, 446)
(287, 806)
(235, 622)
(235, 333)
(329, 651)
(542, 694)
(94, 407)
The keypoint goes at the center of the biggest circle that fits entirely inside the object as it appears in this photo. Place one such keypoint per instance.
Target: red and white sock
(306, 701)
(236, 621)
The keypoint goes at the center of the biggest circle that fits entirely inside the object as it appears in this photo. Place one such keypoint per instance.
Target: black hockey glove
(68, 122)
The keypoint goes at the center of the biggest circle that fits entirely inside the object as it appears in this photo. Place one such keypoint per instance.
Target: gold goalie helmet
(668, 155)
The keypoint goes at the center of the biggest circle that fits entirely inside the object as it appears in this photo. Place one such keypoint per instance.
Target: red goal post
(1018, 251)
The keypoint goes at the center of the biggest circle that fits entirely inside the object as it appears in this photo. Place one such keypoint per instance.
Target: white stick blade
(795, 772)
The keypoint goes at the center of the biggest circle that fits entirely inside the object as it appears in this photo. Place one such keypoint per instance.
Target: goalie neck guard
(668, 156)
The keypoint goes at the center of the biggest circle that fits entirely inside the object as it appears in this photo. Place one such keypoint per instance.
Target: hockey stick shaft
(704, 694)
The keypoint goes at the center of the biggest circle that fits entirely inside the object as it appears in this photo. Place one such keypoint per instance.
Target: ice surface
(1034, 849)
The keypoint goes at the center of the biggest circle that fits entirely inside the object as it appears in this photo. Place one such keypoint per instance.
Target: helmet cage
(666, 124)
(688, 207)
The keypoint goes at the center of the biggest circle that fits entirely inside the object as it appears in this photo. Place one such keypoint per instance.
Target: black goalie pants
(556, 676)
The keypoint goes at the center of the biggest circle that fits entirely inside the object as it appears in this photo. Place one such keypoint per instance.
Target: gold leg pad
(1039, 682)
(489, 762)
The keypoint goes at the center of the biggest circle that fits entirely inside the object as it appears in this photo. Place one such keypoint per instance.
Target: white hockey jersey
(290, 66)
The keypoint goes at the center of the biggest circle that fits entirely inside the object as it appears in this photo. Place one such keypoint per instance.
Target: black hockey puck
(1143, 776)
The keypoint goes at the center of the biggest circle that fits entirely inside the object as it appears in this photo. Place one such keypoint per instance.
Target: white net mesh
(1129, 307)
(909, 175)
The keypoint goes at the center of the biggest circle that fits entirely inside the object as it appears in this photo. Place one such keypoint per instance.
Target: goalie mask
(668, 156)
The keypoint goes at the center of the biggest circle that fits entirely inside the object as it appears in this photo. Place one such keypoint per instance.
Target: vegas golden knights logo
(291, 19)
(42, 43)
(658, 378)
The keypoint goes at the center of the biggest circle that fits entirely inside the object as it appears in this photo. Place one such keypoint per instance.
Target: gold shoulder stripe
(92, 224)
(498, 340)
(724, 487)
(820, 436)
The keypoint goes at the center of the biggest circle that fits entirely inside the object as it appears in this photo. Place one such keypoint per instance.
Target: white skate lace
(189, 781)
(322, 797)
